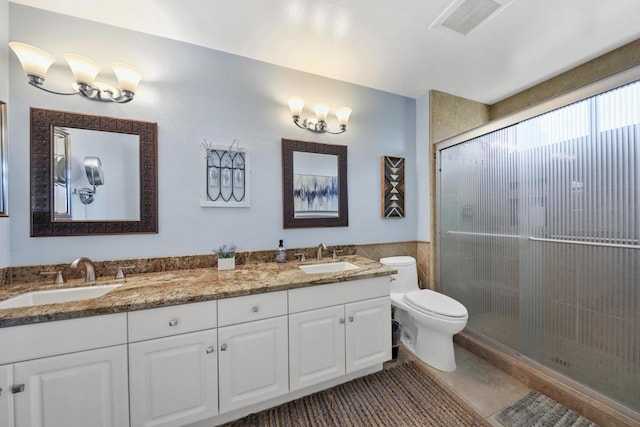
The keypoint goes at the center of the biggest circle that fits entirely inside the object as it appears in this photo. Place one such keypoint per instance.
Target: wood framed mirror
(314, 185)
(92, 175)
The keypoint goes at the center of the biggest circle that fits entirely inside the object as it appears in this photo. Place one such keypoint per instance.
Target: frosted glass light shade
(343, 115)
(295, 105)
(34, 61)
(128, 76)
(84, 69)
(321, 111)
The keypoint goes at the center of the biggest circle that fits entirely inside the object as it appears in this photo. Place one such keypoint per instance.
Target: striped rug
(402, 396)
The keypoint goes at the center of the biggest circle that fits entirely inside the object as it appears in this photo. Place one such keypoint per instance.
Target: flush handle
(19, 388)
(223, 347)
(173, 322)
(341, 320)
(255, 309)
(350, 318)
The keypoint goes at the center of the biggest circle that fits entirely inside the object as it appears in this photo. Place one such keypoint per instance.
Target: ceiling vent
(464, 16)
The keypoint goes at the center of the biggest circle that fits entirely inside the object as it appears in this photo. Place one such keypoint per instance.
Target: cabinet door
(253, 362)
(6, 397)
(368, 333)
(316, 346)
(174, 380)
(82, 389)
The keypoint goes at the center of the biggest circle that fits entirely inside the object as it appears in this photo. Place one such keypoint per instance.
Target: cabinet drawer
(312, 297)
(173, 320)
(62, 336)
(251, 307)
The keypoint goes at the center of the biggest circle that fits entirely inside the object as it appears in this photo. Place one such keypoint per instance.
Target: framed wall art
(392, 187)
(226, 177)
(314, 185)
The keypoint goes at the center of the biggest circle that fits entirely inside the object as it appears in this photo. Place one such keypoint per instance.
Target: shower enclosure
(539, 237)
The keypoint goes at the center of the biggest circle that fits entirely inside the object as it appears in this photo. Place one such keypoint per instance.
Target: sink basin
(53, 296)
(328, 267)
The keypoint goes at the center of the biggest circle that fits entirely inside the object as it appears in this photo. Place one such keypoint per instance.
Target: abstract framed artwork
(314, 185)
(393, 187)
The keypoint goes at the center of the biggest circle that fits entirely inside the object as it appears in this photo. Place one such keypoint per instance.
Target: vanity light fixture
(36, 62)
(319, 123)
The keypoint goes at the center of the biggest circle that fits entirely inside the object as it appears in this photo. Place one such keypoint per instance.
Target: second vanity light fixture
(319, 124)
(36, 62)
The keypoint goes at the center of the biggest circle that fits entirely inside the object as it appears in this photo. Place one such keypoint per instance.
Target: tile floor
(482, 385)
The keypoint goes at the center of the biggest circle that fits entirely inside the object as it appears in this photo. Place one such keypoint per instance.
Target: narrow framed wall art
(393, 187)
(226, 177)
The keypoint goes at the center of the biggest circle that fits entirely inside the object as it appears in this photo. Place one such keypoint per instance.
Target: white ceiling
(386, 44)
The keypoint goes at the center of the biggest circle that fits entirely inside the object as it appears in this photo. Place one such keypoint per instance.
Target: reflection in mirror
(92, 175)
(314, 178)
(61, 173)
(83, 157)
(4, 202)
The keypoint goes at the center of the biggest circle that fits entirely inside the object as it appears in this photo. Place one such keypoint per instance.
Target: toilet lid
(429, 301)
(398, 261)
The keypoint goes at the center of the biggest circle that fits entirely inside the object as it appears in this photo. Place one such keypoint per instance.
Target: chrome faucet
(89, 268)
(321, 247)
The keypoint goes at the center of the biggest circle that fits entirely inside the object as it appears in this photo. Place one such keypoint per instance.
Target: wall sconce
(319, 124)
(36, 62)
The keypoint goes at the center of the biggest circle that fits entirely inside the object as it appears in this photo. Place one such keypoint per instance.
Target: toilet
(428, 319)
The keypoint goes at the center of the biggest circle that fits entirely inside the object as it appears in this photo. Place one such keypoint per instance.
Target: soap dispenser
(281, 255)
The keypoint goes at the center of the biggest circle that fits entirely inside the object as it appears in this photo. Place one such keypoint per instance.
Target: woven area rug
(536, 409)
(402, 396)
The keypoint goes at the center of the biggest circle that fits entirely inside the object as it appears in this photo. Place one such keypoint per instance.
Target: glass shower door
(540, 239)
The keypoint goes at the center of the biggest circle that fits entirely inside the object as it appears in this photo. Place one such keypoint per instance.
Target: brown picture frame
(43, 123)
(289, 218)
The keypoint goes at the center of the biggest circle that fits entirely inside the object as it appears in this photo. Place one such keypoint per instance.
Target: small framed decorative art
(226, 176)
(392, 187)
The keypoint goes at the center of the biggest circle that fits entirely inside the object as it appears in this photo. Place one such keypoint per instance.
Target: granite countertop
(152, 290)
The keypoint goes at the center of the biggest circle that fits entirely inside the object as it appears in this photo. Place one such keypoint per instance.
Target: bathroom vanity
(197, 347)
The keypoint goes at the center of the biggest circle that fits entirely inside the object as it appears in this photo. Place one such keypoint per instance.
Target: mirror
(314, 178)
(78, 172)
(92, 175)
(4, 200)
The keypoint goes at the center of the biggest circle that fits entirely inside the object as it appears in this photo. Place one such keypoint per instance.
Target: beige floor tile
(484, 386)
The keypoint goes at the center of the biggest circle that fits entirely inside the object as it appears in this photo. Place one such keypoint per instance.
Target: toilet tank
(407, 277)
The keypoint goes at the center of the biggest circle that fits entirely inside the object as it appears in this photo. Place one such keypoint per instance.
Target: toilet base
(436, 350)
(432, 347)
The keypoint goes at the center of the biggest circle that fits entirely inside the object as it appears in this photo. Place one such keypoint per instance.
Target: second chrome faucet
(89, 268)
(321, 247)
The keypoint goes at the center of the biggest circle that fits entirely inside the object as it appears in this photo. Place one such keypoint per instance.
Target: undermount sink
(53, 296)
(328, 267)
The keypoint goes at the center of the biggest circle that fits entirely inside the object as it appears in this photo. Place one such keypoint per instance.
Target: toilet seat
(435, 304)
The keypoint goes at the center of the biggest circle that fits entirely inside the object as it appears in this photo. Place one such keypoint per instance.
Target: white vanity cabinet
(338, 329)
(316, 346)
(197, 364)
(6, 398)
(70, 373)
(253, 361)
(173, 371)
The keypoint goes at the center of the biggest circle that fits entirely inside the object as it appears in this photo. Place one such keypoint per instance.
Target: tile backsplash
(32, 273)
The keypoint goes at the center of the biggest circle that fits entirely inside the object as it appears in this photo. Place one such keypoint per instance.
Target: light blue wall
(4, 96)
(195, 93)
